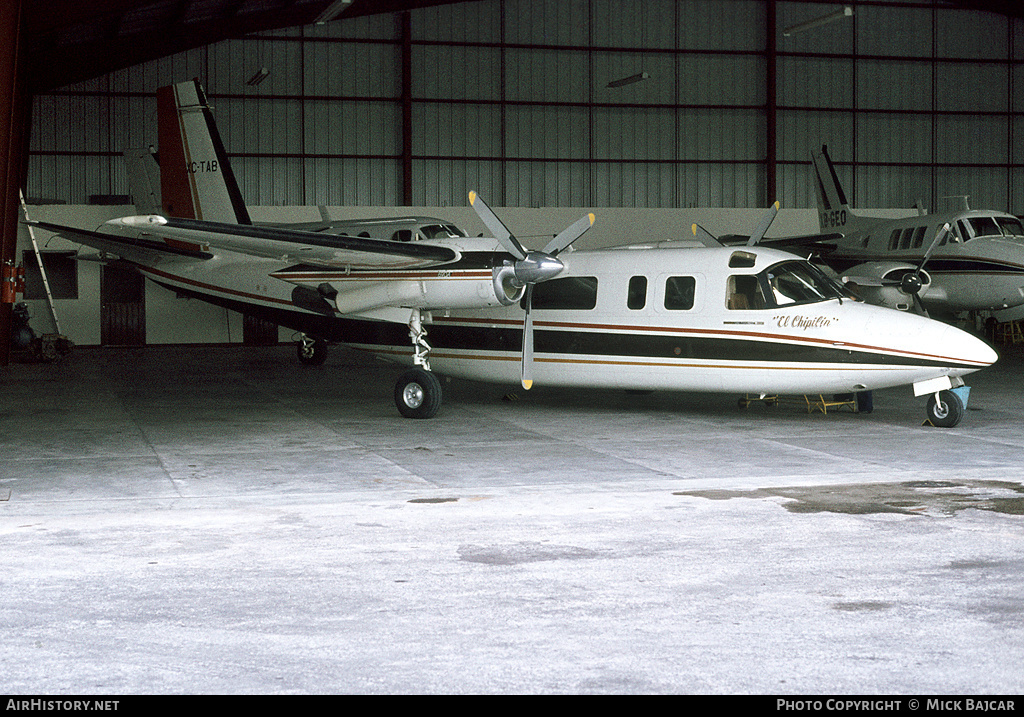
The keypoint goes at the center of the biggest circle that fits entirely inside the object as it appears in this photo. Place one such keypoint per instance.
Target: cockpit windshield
(441, 231)
(799, 282)
(984, 227)
(1011, 226)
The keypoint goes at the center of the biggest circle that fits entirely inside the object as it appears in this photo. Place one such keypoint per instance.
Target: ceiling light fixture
(640, 76)
(332, 11)
(261, 74)
(847, 11)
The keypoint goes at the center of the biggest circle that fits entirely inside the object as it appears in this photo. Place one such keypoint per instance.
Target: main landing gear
(311, 352)
(418, 391)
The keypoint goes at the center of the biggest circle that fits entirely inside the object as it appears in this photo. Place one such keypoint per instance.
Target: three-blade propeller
(910, 283)
(530, 267)
(709, 239)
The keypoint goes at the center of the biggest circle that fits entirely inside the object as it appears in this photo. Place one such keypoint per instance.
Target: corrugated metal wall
(510, 98)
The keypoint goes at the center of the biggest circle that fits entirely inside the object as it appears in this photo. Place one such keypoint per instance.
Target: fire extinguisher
(8, 278)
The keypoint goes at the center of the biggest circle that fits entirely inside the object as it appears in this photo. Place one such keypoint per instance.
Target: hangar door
(122, 306)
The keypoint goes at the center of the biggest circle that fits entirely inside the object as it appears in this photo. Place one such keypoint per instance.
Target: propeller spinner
(530, 267)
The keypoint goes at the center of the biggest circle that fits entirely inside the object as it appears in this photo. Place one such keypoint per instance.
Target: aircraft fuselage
(634, 318)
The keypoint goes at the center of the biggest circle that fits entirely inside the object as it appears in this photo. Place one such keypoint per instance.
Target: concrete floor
(224, 520)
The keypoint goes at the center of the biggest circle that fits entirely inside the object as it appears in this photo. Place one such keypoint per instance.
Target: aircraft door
(122, 306)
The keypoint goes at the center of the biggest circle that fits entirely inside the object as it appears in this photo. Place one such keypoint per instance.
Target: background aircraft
(676, 315)
(966, 260)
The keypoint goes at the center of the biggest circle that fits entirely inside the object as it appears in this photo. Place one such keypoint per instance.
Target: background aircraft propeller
(709, 239)
(910, 283)
(530, 267)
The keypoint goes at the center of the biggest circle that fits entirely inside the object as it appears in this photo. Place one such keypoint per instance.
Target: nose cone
(967, 350)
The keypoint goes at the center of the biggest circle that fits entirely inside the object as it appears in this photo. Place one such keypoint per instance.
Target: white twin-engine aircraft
(974, 258)
(671, 315)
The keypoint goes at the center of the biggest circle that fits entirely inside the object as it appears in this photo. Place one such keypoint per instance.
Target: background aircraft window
(679, 292)
(959, 232)
(573, 292)
(919, 237)
(745, 293)
(1011, 226)
(985, 227)
(894, 240)
(440, 231)
(905, 238)
(637, 296)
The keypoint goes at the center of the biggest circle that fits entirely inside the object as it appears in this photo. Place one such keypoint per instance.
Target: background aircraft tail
(144, 180)
(834, 210)
(195, 175)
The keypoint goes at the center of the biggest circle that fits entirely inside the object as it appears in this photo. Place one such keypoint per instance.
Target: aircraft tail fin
(195, 174)
(834, 212)
(831, 196)
(144, 180)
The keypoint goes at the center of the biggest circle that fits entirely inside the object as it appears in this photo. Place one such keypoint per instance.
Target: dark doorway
(258, 332)
(122, 306)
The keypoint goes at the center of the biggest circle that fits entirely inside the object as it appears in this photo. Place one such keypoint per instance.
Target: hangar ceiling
(69, 41)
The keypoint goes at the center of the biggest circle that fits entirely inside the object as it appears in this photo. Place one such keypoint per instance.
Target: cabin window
(894, 240)
(744, 292)
(637, 296)
(679, 292)
(570, 293)
(402, 235)
(905, 238)
(919, 237)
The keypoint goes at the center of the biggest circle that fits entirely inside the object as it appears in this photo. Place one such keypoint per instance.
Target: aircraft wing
(140, 249)
(143, 237)
(822, 244)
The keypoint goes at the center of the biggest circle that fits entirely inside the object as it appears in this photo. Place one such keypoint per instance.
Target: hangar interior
(666, 108)
(217, 519)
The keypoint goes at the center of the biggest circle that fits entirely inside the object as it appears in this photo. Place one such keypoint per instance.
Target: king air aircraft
(974, 258)
(686, 315)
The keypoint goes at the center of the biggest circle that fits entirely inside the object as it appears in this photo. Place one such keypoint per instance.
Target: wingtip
(693, 228)
(591, 215)
(527, 384)
(472, 198)
(777, 205)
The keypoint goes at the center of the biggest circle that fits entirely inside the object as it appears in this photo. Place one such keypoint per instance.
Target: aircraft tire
(418, 394)
(947, 411)
(315, 355)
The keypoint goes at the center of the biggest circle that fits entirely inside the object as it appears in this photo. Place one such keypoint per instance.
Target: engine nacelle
(443, 292)
(878, 282)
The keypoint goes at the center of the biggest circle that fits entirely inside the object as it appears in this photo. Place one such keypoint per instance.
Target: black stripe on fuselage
(566, 341)
(935, 265)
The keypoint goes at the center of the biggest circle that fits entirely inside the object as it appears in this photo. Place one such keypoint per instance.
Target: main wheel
(945, 409)
(312, 354)
(418, 394)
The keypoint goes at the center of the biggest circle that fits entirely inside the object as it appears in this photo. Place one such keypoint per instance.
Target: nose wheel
(945, 409)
